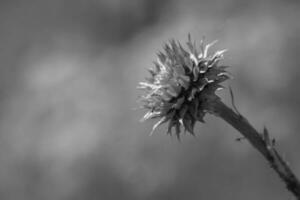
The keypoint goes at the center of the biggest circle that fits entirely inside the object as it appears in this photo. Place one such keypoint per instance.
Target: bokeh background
(68, 76)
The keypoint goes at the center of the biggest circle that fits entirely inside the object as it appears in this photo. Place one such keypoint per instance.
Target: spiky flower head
(182, 83)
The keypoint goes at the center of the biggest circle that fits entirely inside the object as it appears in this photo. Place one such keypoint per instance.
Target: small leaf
(160, 122)
(232, 101)
(170, 126)
(188, 124)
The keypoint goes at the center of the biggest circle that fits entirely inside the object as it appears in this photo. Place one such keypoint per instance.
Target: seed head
(181, 84)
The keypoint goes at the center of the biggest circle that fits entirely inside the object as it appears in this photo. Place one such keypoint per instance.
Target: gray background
(68, 76)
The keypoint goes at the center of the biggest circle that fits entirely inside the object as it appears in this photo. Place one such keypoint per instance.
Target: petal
(196, 73)
(189, 124)
(160, 122)
(207, 47)
(179, 103)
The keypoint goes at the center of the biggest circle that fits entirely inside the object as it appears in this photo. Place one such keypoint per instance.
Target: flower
(181, 84)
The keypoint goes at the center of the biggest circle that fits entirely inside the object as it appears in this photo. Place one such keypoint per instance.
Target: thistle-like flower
(181, 90)
(182, 83)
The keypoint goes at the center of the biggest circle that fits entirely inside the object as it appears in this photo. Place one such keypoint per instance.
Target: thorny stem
(259, 141)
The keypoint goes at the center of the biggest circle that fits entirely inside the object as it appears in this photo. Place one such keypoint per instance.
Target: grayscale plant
(180, 84)
(181, 90)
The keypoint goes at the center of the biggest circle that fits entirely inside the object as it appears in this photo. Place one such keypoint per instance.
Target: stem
(261, 142)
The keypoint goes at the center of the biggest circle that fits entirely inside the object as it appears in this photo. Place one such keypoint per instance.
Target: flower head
(181, 84)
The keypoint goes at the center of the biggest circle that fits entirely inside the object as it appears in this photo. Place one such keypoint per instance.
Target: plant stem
(261, 142)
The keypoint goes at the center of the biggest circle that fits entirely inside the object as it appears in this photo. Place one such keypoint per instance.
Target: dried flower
(181, 85)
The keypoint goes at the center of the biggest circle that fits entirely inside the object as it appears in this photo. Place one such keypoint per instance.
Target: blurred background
(68, 76)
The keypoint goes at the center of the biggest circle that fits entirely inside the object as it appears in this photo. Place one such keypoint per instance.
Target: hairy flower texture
(181, 84)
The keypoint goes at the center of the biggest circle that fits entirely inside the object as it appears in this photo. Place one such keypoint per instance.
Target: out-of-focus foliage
(68, 78)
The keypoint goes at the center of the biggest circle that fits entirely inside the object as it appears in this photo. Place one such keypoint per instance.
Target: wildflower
(181, 84)
(181, 90)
